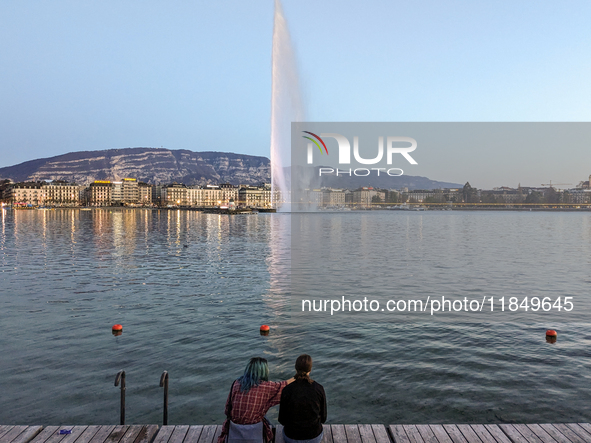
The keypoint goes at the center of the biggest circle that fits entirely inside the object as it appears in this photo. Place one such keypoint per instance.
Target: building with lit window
(60, 193)
(99, 193)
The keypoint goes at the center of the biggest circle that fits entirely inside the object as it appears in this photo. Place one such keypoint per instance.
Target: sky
(197, 75)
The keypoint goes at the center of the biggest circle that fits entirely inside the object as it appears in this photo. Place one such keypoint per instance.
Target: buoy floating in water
(265, 330)
(551, 333)
(117, 328)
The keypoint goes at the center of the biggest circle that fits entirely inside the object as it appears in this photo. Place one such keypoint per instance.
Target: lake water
(192, 289)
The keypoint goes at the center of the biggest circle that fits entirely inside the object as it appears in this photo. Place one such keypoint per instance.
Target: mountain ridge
(162, 165)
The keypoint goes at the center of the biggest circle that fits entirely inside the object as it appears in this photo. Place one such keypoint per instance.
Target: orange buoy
(551, 333)
(265, 328)
(117, 328)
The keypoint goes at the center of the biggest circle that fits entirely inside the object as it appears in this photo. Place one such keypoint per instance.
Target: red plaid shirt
(250, 407)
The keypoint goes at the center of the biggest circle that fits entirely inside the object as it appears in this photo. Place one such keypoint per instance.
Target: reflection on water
(191, 291)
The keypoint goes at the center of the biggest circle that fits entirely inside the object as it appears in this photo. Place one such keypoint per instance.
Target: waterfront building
(421, 195)
(315, 197)
(99, 193)
(255, 196)
(366, 195)
(578, 195)
(43, 193)
(333, 197)
(60, 193)
(228, 193)
(585, 184)
(452, 194)
(125, 192)
(175, 195)
(157, 194)
(27, 193)
(116, 192)
(145, 194)
(130, 191)
(503, 194)
(5, 186)
(214, 195)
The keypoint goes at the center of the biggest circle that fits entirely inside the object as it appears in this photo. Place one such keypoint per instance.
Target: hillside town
(132, 193)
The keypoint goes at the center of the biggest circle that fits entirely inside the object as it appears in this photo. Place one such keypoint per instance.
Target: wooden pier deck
(448, 433)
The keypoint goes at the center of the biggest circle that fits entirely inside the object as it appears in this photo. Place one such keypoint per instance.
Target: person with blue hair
(249, 399)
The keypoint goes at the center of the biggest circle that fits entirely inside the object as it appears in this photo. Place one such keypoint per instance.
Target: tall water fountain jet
(286, 106)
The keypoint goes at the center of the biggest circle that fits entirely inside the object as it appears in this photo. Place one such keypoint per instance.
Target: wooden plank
(542, 435)
(338, 434)
(483, 434)
(529, 435)
(207, 434)
(4, 429)
(218, 432)
(45, 434)
(28, 434)
(164, 434)
(427, 434)
(366, 433)
(327, 436)
(469, 434)
(580, 431)
(563, 429)
(398, 434)
(179, 433)
(440, 433)
(117, 434)
(102, 434)
(147, 434)
(454, 433)
(585, 426)
(380, 433)
(352, 432)
(497, 433)
(513, 434)
(88, 434)
(56, 436)
(554, 433)
(13, 433)
(76, 432)
(193, 434)
(132, 432)
(413, 433)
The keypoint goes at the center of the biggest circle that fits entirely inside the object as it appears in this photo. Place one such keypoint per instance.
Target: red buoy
(551, 333)
(265, 328)
(117, 328)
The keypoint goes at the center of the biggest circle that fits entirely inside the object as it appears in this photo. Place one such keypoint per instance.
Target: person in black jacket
(302, 408)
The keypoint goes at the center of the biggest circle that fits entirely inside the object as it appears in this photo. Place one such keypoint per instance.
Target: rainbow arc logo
(315, 142)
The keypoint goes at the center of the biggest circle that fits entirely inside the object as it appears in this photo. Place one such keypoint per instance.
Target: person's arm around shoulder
(279, 385)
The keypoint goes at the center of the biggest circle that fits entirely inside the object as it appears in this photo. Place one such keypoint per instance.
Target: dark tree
(535, 197)
(469, 193)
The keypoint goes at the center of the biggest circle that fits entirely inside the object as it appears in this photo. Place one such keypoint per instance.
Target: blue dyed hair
(256, 371)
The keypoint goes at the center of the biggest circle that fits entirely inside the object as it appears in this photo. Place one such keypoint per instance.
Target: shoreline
(417, 208)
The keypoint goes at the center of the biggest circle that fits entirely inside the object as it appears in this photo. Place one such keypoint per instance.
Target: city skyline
(116, 75)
